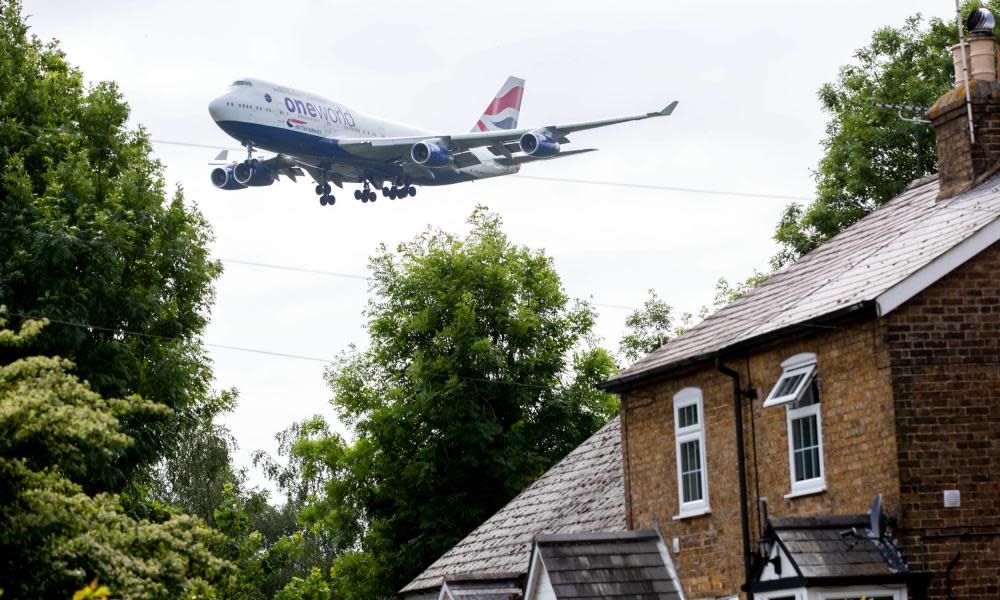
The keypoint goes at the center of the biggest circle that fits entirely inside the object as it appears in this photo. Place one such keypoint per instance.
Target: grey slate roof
(583, 492)
(622, 565)
(854, 267)
(822, 547)
(485, 588)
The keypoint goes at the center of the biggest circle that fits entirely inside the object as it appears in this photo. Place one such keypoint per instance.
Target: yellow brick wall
(858, 443)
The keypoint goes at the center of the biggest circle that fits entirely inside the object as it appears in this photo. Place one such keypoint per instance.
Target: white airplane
(335, 144)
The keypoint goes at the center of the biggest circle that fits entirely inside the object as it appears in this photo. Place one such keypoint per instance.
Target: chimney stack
(962, 164)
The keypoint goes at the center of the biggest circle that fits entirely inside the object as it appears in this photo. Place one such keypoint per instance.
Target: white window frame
(896, 593)
(816, 484)
(800, 364)
(690, 397)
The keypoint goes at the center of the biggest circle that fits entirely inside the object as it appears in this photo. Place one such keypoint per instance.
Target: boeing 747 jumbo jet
(335, 144)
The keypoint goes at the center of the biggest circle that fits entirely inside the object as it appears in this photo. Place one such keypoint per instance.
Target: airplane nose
(215, 108)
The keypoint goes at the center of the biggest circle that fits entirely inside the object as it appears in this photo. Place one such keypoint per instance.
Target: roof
(584, 492)
(880, 261)
(620, 565)
(829, 550)
(485, 588)
(840, 546)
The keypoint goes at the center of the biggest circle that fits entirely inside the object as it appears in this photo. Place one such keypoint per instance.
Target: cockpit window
(241, 82)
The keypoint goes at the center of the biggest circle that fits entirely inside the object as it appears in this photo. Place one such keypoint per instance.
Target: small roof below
(583, 492)
(484, 587)
(837, 546)
(828, 550)
(627, 564)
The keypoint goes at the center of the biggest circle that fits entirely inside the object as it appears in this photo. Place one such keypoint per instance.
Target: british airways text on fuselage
(331, 114)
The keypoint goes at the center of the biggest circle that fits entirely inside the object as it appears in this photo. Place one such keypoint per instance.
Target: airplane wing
(398, 148)
(520, 160)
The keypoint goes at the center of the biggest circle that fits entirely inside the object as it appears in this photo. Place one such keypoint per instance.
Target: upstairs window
(798, 390)
(689, 435)
(242, 82)
(798, 375)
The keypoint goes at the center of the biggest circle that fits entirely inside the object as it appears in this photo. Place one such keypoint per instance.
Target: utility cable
(619, 184)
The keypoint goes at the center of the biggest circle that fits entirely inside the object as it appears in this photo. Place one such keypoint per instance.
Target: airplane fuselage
(297, 123)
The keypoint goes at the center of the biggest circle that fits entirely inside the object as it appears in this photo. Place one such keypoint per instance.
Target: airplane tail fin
(503, 111)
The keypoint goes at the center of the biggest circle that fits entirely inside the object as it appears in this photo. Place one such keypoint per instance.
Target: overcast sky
(745, 74)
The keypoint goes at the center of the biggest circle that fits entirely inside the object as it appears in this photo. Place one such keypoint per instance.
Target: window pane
(805, 448)
(691, 471)
(687, 416)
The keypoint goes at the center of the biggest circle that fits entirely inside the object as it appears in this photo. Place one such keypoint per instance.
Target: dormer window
(798, 390)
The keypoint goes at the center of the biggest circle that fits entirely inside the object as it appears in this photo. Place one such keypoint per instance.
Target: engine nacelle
(222, 178)
(538, 144)
(429, 154)
(257, 176)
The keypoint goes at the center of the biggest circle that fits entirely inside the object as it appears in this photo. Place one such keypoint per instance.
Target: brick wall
(944, 346)
(860, 457)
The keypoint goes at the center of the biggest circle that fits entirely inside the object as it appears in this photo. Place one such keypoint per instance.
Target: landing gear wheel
(357, 194)
(327, 189)
(372, 197)
(322, 200)
(412, 191)
(392, 194)
(319, 190)
(385, 192)
(330, 200)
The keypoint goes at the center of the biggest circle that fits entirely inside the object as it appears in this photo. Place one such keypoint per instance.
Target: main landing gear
(399, 190)
(365, 195)
(325, 197)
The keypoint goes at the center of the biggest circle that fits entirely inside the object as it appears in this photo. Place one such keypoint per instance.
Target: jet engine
(256, 176)
(429, 154)
(538, 144)
(222, 178)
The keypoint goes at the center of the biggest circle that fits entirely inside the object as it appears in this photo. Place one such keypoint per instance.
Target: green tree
(195, 472)
(478, 378)
(647, 328)
(54, 537)
(89, 236)
(869, 153)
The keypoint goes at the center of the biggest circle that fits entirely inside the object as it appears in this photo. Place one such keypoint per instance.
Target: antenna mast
(965, 70)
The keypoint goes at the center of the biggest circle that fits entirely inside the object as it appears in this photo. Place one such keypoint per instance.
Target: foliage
(647, 328)
(195, 472)
(477, 379)
(93, 592)
(314, 587)
(870, 154)
(54, 537)
(89, 236)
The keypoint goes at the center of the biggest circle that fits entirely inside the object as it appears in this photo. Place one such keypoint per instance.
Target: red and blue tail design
(502, 113)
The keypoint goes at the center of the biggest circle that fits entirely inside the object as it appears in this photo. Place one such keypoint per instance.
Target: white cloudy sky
(746, 75)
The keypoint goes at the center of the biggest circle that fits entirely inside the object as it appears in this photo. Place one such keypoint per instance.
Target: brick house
(833, 435)
(870, 367)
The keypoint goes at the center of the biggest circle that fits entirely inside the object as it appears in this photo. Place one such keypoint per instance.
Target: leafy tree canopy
(56, 538)
(88, 236)
(477, 379)
(869, 153)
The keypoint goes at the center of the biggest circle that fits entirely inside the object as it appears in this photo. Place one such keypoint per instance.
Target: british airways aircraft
(336, 144)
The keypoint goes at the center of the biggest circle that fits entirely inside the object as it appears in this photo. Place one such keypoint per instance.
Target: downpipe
(742, 468)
